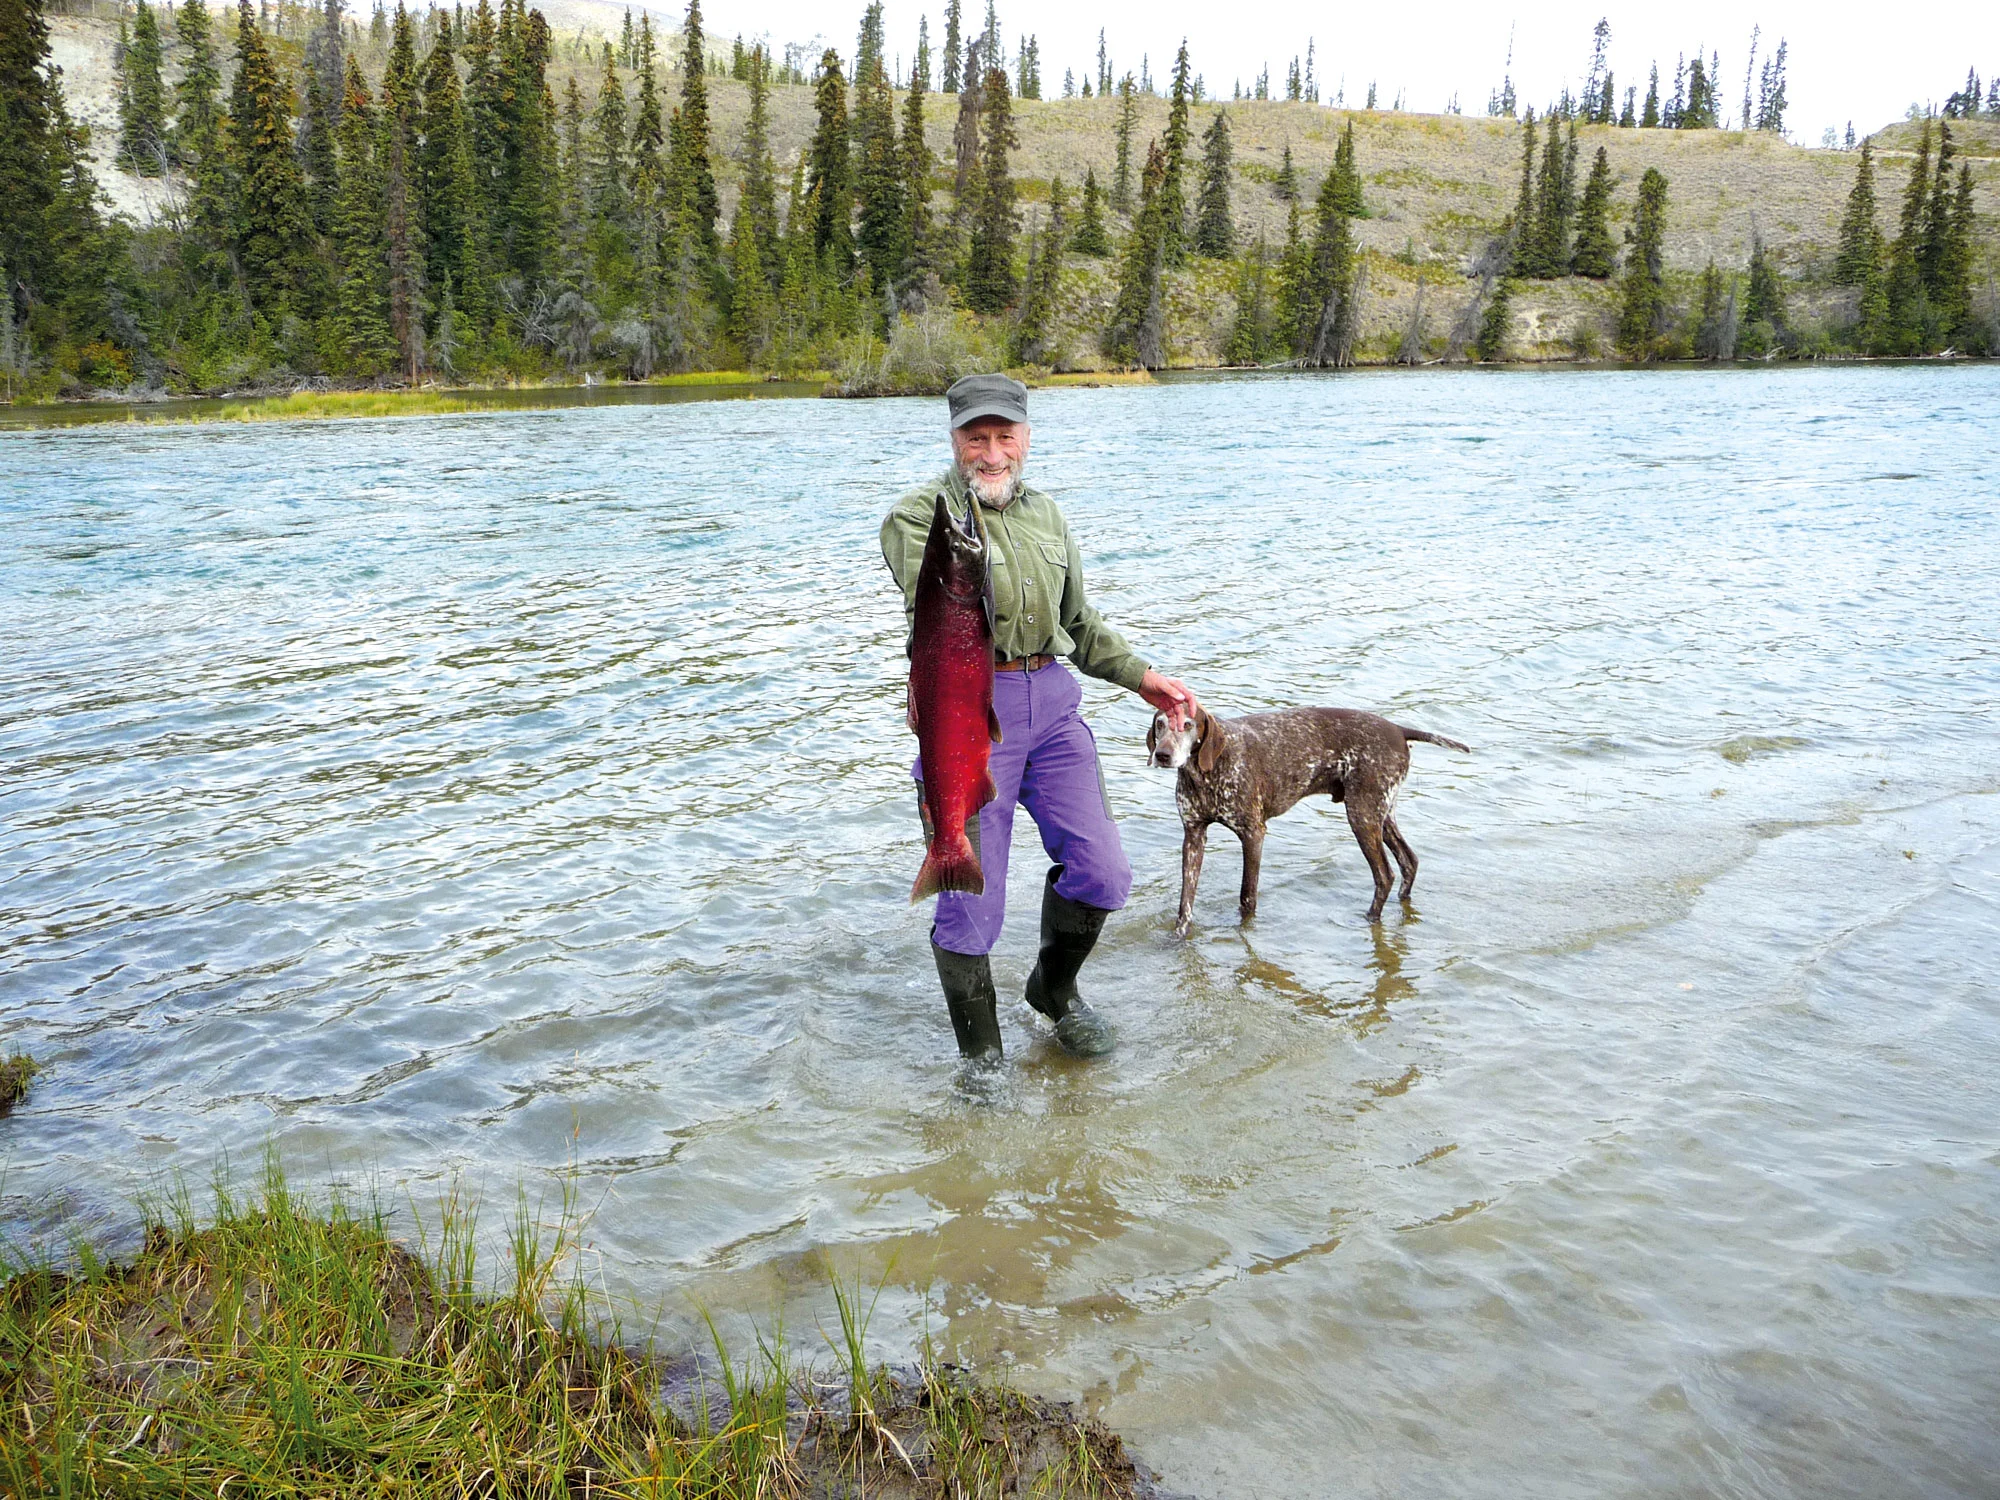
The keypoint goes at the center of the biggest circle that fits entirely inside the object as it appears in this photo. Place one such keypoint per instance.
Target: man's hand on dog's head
(1171, 697)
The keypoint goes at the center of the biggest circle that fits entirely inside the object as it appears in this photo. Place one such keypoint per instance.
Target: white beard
(997, 492)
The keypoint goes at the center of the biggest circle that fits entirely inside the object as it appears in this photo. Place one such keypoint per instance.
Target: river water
(483, 795)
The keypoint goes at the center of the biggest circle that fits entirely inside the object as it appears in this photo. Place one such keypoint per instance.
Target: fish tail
(949, 867)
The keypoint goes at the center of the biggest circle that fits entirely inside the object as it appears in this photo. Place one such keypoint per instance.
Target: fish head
(956, 553)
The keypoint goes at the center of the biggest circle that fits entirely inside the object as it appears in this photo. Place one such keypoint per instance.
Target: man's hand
(1170, 696)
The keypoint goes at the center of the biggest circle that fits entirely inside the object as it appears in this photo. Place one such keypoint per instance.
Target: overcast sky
(1846, 61)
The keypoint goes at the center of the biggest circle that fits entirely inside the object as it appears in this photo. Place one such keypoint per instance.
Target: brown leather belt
(1024, 663)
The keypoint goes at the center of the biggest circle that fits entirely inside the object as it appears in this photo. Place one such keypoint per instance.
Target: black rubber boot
(974, 1005)
(1069, 932)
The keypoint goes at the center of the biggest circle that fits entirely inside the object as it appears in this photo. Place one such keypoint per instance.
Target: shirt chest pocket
(1053, 566)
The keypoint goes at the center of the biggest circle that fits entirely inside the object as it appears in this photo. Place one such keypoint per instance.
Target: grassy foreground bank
(288, 1348)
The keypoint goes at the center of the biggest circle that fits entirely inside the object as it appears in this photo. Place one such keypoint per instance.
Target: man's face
(991, 453)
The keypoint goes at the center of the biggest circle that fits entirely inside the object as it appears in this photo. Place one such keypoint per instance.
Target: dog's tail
(1433, 739)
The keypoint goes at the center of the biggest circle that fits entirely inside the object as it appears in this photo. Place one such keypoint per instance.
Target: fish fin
(992, 724)
(989, 790)
(949, 869)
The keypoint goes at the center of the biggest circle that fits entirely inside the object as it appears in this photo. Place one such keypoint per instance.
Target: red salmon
(951, 690)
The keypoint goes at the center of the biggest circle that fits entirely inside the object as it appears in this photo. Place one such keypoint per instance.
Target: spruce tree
(361, 299)
(695, 166)
(402, 210)
(1090, 237)
(575, 259)
(1250, 333)
(953, 41)
(1526, 249)
(317, 154)
(1595, 254)
(485, 126)
(1597, 82)
(989, 271)
(1650, 118)
(1860, 239)
(272, 228)
(1137, 331)
(1286, 186)
(867, 52)
(1642, 299)
(1034, 333)
(965, 138)
(324, 53)
(1912, 325)
(1174, 152)
(1545, 245)
(879, 169)
(1873, 332)
(448, 187)
(917, 166)
(1325, 337)
(1495, 322)
(55, 252)
(1215, 228)
(750, 306)
(759, 197)
(142, 104)
(201, 150)
(537, 177)
(651, 192)
(610, 192)
(1128, 119)
(1954, 283)
(1763, 304)
(649, 134)
(1346, 176)
(1936, 224)
(1713, 336)
(1294, 282)
(829, 191)
(197, 111)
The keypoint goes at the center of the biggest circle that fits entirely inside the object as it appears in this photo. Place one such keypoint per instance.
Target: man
(1046, 759)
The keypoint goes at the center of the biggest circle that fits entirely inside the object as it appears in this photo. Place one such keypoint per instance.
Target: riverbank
(322, 405)
(308, 406)
(286, 1346)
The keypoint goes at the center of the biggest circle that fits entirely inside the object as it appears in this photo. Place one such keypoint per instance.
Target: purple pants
(1046, 761)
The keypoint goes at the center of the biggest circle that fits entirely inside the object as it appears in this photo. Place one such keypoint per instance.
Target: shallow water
(481, 794)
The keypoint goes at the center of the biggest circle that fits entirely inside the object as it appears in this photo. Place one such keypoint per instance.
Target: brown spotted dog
(1244, 772)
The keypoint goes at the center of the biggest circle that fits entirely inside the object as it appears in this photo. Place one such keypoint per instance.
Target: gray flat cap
(976, 396)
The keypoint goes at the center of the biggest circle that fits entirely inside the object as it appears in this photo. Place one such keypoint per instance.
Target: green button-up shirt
(1039, 606)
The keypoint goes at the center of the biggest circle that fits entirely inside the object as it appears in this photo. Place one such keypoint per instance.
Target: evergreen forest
(462, 196)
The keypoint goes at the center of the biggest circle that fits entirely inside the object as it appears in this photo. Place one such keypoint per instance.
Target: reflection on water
(477, 795)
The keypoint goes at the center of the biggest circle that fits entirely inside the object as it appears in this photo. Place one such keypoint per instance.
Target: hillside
(1437, 187)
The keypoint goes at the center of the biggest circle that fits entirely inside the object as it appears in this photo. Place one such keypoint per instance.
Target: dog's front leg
(1253, 862)
(1194, 840)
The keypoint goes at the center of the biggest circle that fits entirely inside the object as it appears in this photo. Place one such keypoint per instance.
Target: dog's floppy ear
(1208, 743)
(1152, 736)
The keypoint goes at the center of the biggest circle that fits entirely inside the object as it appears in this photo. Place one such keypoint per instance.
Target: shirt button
(1031, 619)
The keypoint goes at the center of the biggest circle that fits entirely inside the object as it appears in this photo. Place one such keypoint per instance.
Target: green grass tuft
(15, 1071)
(286, 1348)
